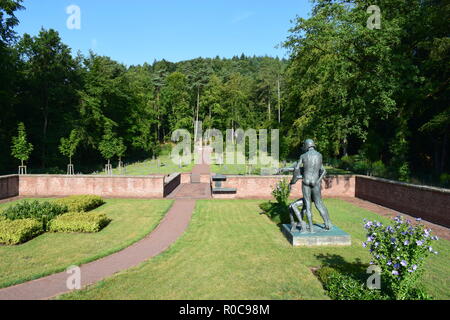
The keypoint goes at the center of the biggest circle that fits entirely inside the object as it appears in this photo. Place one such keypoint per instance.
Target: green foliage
(381, 92)
(108, 145)
(8, 20)
(445, 179)
(68, 146)
(19, 231)
(324, 274)
(400, 251)
(362, 165)
(42, 211)
(79, 222)
(278, 212)
(21, 148)
(121, 148)
(281, 192)
(49, 84)
(175, 100)
(344, 287)
(374, 91)
(81, 203)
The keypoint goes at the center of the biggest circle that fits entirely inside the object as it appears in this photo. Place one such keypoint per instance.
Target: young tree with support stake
(121, 148)
(21, 148)
(68, 147)
(108, 146)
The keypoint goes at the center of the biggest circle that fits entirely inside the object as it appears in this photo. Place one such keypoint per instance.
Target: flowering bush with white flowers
(400, 251)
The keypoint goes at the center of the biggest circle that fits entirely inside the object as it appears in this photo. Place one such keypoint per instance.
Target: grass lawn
(53, 252)
(243, 169)
(230, 251)
(151, 167)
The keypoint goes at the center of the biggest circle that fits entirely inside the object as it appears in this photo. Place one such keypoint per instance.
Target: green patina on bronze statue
(310, 169)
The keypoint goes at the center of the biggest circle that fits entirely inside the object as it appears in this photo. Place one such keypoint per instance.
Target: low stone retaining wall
(105, 186)
(260, 187)
(9, 186)
(431, 204)
(428, 203)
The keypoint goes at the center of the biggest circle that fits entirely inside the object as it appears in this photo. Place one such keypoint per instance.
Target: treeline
(375, 100)
(379, 97)
(54, 92)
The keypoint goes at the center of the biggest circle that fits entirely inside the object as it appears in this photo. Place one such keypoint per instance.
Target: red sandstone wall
(431, 204)
(9, 186)
(260, 187)
(186, 178)
(119, 186)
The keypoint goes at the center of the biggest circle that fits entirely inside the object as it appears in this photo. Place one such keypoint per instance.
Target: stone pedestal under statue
(320, 236)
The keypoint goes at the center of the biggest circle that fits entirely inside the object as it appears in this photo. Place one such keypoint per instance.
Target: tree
(50, 82)
(108, 145)
(121, 148)
(68, 146)
(7, 9)
(21, 148)
(175, 99)
(8, 74)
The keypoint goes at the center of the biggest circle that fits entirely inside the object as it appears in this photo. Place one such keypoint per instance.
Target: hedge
(81, 202)
(38, 210)
(79, 222)
(19, 231)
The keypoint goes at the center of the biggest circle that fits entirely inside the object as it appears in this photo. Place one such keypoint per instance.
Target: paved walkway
(167, 232)
(191, 191)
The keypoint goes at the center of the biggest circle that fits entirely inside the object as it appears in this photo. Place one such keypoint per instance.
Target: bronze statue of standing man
(313, 173)
(310, 169)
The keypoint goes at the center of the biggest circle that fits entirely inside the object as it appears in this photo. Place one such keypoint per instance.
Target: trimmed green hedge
(19, 231)
(38, 210)
(81, 203)
(79, 222)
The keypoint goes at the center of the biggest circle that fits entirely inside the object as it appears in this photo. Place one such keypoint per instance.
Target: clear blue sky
(138, 31)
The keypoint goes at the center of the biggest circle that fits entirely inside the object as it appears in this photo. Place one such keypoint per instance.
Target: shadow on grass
(278, 213)
(356, 269)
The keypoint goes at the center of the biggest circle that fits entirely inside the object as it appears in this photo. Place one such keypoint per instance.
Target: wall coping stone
(283, 176)
(156, 176)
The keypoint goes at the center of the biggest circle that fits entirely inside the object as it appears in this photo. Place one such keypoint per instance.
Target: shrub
(42, 211)
(79, 222)
(281, 192)
(278, 212)
(324, 274)
(81, 203)
(362, 165)
(400, 251)
(444, 179)
(19, 231)
(345, 287)
(347, 162)
(379, 169)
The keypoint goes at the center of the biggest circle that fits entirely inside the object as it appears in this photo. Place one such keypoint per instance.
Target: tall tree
(51, 79)
(175, 99)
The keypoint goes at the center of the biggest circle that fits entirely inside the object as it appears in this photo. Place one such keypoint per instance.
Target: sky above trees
(137, 31)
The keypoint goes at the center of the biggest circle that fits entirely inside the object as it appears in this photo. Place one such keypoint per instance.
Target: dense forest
(376, 100)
